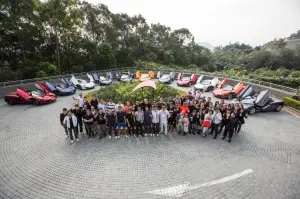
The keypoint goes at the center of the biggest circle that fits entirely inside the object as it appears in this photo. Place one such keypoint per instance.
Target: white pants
(164, 125)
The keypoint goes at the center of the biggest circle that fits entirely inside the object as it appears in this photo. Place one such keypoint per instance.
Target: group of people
(187, 114)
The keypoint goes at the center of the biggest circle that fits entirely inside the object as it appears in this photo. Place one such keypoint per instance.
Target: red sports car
(228, 92)
(40, 96)
(186, 81)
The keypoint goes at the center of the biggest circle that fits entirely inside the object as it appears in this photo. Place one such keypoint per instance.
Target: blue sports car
(60, 88)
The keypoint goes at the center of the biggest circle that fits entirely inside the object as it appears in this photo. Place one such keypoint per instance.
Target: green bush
(292, 102)
(122, 92)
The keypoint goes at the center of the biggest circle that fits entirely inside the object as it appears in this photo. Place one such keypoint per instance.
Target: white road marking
(179, 190)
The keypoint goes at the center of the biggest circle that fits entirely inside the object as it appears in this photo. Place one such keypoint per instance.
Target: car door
(23, 94)
(222, 83)
(214, 82)
(95, 76)
(193, 78)
(42, 87)
(51, 86)
(172, 74)
(66, 81)
(200, 79)
(109, 75)
(158, 75)
(90, 77)
(179, 76)
(118, 75)
(238, 88)
(74, 81)
(262, 99)
(130, 74)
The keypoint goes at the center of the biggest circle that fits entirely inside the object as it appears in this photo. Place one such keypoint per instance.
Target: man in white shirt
(163, 118)
(155, 121)
(71, 122)
(198, 95)
(80, 100)
(216, 121)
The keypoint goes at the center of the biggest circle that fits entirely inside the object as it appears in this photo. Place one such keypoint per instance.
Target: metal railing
(253, 81)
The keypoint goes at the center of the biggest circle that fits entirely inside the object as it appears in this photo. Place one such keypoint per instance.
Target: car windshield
(61, 85)
(165, 76)
(81, 81)
(186, 79)
(227, 88)
(206, 82)
(102, 78)
(124, 76)
(145, 76)
(37, 93)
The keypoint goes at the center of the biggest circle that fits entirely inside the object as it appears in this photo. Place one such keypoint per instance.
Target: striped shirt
(110, 106)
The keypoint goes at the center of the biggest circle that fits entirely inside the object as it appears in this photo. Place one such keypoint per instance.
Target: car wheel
(210, 88)
(10, 102)
(230, 96)
(278, 108)
(35, 102)
(252, 111)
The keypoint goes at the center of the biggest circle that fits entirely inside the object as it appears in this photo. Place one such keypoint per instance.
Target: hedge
(292, 102)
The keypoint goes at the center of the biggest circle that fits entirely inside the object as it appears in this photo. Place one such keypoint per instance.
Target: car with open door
(60, 88)
(207, 84)
(105, 80)
(263, 103)
(124, 77)
(81, 84)
(228, 91)
(166, 78)
(186, 80)
(145, 76)
(247, 94)
(42, 95)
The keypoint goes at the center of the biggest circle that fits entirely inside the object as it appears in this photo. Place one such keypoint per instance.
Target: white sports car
(103, 81)
(206, 85)
(165, 78)
(81, 83)
(124, 77)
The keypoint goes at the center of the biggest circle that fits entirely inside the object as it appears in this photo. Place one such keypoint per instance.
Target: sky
(218, 22)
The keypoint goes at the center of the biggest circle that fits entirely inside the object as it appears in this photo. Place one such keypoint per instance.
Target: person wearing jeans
(61, 119)
(139, 119)
(71, 122)
(216, 121)
(155, 121)
(88, 119)
(78, 113)
(163, 118)
(111, 123)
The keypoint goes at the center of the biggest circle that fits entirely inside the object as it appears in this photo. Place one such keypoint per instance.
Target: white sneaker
(118, 137)
(71, 141)
(77, 140)
(67, 136)
(145, 134)
(166, 133)
(109, 137)
(156, 135)
(150, 134)
(134, 135)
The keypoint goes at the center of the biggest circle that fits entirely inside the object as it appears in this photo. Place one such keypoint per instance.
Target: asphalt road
(36, 161)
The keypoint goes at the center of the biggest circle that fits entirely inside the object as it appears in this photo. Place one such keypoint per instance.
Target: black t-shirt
(111, 119)
(71, 122)
(130, 118)
(88, 117)
(120, 117)
(143, 105)
(101, 118)
(77, 113)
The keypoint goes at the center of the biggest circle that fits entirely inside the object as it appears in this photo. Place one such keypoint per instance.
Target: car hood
(246, 100)
(68, 89)
(201, 86)
(219, 91)
(125, 78)
(89, 84)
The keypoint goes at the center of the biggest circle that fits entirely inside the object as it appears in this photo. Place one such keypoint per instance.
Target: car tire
(278, 108)
(10, 102)
(229, 96)
(35, 102)
(210, 89)
(252, 111)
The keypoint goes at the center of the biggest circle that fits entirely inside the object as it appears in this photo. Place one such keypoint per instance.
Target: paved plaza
(36, 161)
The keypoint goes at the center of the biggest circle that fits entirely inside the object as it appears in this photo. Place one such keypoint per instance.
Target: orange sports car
(228, 92)
(145, 76)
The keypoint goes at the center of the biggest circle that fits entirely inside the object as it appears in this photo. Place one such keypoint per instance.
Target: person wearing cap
(163, 118)
(61, 119)
(130, 120)
(71, 122)
(80, 100)
(155, 121)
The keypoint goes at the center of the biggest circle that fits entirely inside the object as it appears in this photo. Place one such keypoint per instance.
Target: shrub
(292, 102)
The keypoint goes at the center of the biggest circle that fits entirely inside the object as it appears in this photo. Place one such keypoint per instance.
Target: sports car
(186, 81)
(103, 81)
(245, 96)
(228, 92)
(81, 83)
(124, 77)
(145, 76)
(263, 103)
(206, 85)
(60, 88)
(165, 78)
(36, 97)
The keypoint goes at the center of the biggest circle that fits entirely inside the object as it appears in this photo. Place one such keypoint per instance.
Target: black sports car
(263, 103)
(246, 96)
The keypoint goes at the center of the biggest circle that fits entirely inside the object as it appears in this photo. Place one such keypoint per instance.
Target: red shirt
(184, 109)
(127, 107)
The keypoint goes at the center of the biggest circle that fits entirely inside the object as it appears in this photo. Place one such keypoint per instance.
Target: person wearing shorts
(121, 124)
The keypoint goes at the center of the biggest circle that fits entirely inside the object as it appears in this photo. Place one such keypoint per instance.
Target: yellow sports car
(145, 76)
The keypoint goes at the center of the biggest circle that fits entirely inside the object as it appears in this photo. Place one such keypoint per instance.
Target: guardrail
(267, 84)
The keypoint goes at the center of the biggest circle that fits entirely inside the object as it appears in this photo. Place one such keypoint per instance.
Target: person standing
(130, 122)
(94, 101)
(80, 100)
(111, 123)
(229, 128)
(145, 104)
(88, 120)
(110, 106)
(241, 117)
(61, 119)
(207, 122)
(71, 122)
(95, 122)
(78, 113)
(101, 120)
(195, 119)
(163, 118)
(179, 122)
(119, 104)
(186, 124)
(128, 106)
(139, 119)
(101, 104)
(86, 102)
(121, 121)
(216, 121)
(147, 121)
(155, 121)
